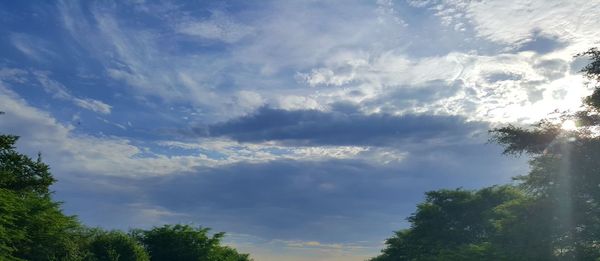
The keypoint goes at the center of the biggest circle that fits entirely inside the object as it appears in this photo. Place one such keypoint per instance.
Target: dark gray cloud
(542, 44)
(502, 76)
(342, 126)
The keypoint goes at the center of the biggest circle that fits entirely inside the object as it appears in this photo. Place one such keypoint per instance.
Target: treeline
(552, 213)
(33, 227)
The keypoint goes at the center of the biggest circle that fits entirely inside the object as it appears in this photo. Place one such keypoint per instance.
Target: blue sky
(307, 130)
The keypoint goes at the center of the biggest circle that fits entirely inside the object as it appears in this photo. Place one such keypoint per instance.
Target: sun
(568, 125)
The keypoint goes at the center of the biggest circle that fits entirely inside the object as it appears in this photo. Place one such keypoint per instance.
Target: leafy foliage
(115, 245)
(453, 225)
(533, 141)
(32, 226)
(592, 72)
(20, 173)
(184, 242)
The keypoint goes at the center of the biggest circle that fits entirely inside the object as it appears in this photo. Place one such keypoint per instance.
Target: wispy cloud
(59, 91)
(217, 27)
(33, 47)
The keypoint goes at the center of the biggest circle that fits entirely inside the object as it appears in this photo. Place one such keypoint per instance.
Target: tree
(184, 242)
(32, 226)
(453, 225)
(565, 172)
(115, 246)
(19, 173)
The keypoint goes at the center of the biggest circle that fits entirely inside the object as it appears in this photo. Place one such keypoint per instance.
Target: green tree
(19, 173)
(32, 226)
(564, 177)
(453, 225)
(186, 243)
(115, 246)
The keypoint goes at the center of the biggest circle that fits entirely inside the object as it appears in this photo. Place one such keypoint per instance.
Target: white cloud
(296, 102)
(249, 100)
(137, 57)
(150, 215)
(14, 75)
(365, 56)
(31, 46)
(325, 76)
(296, 250)
(304, 34)
(481, 87)
(93, 105)
(515, 21)
(59, 91)
(218, 27)
(234, 152)
(68, 152)
(387, 69)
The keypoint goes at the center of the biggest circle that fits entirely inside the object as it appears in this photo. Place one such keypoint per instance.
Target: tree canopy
(32, 226)
(184, 242)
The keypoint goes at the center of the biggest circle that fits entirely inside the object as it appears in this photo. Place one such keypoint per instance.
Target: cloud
(59, 91)
(68, 152)
(225, 151)
(33, 47)
(299, 35)
(139, 61)
(312, 127)
(93, 105)
(322, 198)
(517, 22)
(479, 87)
(218, 27)
(287, 49)
(542, 44)
(329, 201)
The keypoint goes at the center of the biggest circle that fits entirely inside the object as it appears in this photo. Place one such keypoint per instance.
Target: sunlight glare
(568, 125)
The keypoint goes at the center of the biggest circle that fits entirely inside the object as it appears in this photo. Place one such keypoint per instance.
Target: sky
(306, 130)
